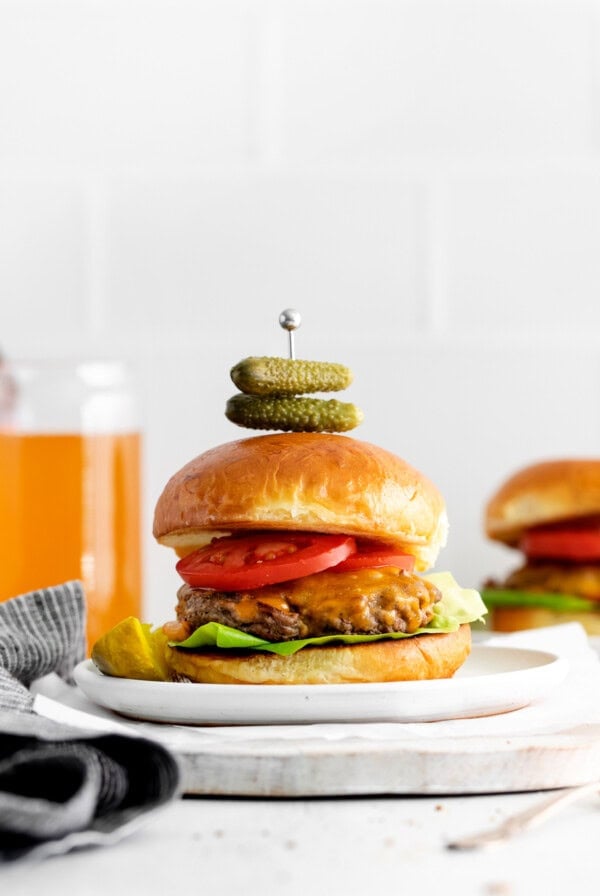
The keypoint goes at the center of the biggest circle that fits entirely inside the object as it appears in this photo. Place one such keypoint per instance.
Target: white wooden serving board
(348, 760)
(303, 766)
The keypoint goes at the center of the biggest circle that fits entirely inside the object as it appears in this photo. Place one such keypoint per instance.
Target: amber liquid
(70, 509)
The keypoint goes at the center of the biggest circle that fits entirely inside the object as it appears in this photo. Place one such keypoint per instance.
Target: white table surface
(362, 846)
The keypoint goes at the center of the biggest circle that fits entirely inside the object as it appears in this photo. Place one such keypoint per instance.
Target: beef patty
(582, 579)
(364, 601)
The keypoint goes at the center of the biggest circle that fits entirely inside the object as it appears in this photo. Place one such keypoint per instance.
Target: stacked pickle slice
(272, 396)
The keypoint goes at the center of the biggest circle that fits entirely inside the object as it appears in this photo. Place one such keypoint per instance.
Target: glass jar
(70, 498)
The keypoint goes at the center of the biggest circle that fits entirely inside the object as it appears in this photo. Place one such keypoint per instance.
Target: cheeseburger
(550, 512)
(301, 558)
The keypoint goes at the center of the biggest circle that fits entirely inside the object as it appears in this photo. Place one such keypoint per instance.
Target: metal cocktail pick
(290, 320)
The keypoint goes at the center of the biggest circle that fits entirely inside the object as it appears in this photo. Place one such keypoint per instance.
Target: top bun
(302, 481)
(543, 493)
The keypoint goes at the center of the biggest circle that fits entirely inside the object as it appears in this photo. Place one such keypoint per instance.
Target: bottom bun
(516, 619)
(406, 659)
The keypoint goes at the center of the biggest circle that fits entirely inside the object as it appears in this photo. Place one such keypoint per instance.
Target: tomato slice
(263, 558)
(376, 555)
(577, 541)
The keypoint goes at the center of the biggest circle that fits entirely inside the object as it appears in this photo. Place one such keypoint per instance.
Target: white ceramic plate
(493, 680)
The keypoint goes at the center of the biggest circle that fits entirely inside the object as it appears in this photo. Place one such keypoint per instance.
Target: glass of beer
(70, 485)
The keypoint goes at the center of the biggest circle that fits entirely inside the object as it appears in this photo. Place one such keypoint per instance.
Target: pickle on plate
(293, 414)
(131, 649)
(287, 376)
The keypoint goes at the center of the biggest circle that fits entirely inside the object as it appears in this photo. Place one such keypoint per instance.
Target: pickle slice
(132, 650)
(286, 376)
(293, 414)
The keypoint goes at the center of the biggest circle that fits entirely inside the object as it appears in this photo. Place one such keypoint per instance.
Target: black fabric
(60, 787)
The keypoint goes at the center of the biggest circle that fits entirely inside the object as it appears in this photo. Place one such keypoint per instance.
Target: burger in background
(550, 512)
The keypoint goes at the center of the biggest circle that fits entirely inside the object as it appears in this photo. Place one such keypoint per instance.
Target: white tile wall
(203, 255)
(96, 85)
(420, 179)
(523, 250)
(380, 81)
(43, 251)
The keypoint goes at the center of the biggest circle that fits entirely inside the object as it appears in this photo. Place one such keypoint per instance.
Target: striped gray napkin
(60, 787)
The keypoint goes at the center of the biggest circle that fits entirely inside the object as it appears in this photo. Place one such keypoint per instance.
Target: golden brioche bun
(543, 493)
(406, 659)
(304, 482)
(515, 619)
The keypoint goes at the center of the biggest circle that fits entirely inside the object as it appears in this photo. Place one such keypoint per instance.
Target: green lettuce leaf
(457, 606)
(496, 597)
